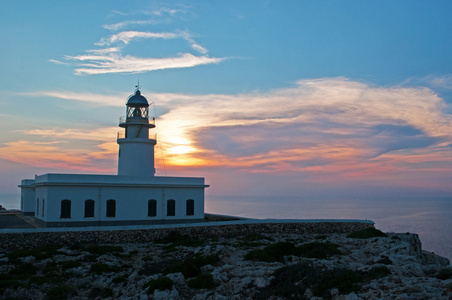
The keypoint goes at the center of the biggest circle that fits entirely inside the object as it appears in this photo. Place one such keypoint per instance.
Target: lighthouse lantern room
(136, 146)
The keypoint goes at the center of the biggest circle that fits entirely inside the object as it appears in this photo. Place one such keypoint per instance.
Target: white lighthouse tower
(133, 197)
(136, 146)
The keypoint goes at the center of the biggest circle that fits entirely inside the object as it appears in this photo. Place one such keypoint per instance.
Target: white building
(134, 196)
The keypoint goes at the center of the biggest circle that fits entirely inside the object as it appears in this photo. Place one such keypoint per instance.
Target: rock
(430, 258)
(308, 294)
(413, 269)
(261, 282)
(177, 278)
(351, 296)
(219, 276)
(207, 268)
(164, 295)
(447, 284)
(142, 297)
(174, 294)
(28, 259)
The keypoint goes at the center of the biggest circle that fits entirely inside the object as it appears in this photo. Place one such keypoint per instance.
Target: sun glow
(181, 149)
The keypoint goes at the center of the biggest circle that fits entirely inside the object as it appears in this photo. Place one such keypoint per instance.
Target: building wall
(41, 208)
(27, 201)
(131, 203)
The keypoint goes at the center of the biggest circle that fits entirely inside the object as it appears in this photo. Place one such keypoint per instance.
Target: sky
(262, 98)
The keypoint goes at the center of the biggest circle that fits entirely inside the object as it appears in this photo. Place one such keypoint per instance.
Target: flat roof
(112, 180)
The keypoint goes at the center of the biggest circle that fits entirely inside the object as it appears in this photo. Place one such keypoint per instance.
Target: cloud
(325, 127)
(325, 130)
(127, 36)
(58, 62)
(123, 24)
(444, 81)
(129, 64)
(95, 99)
(163, 14)
(54, 156)
(98, 134)
(111, 60)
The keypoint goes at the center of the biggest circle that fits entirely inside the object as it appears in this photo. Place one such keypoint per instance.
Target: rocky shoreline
(255, 265)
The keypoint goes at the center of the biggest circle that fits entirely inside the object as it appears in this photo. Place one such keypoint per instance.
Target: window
(37, 207)
(43, 204)
(65, 209)
(89, 208)
(152, 208)
(190, 207)
(171, 207)
(111, 208)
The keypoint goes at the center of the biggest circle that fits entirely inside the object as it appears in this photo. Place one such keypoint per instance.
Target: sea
(430, 218)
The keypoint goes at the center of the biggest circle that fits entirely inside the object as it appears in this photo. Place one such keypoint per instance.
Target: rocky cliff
(253, 265)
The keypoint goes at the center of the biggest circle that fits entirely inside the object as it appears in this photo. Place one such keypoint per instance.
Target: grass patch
(50, 267)
(60, 292)
(101, 268)
(367, 233)
(39, 253)
(176, 239)
(119, 279)
(444, 273)
(8, 281)
(292, 281)
(318, 250)
(191, 267)
(155, 268)
(101, 292)
(101, 250)
(277, 251)
(378, 272)
(320, 237)
(272, 253)
(23, 271)
(202, 281)
(69, 264)
(161, 284)
(39, 280)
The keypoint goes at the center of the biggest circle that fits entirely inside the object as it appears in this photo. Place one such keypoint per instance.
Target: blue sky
(318, 97)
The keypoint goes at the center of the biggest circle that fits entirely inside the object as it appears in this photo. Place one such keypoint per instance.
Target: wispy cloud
(95, 99)
(159, 15)
(444, 81)
(127, 23)
(129, 64)
(57, 62)
(127, 36)
(110, 59)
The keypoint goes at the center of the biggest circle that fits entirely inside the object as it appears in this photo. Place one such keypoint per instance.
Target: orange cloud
(52, 155)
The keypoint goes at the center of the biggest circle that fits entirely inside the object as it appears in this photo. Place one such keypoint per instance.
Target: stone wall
(9, 241)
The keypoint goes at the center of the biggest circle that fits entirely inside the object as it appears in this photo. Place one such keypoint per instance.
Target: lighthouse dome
(137, 100)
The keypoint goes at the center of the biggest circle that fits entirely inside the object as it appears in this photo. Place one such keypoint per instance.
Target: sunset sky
(271, 98)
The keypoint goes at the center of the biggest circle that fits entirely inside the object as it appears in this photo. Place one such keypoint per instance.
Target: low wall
(10, 241)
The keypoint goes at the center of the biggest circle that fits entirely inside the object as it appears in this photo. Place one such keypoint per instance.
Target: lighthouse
(132, 197)
(136, 146)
